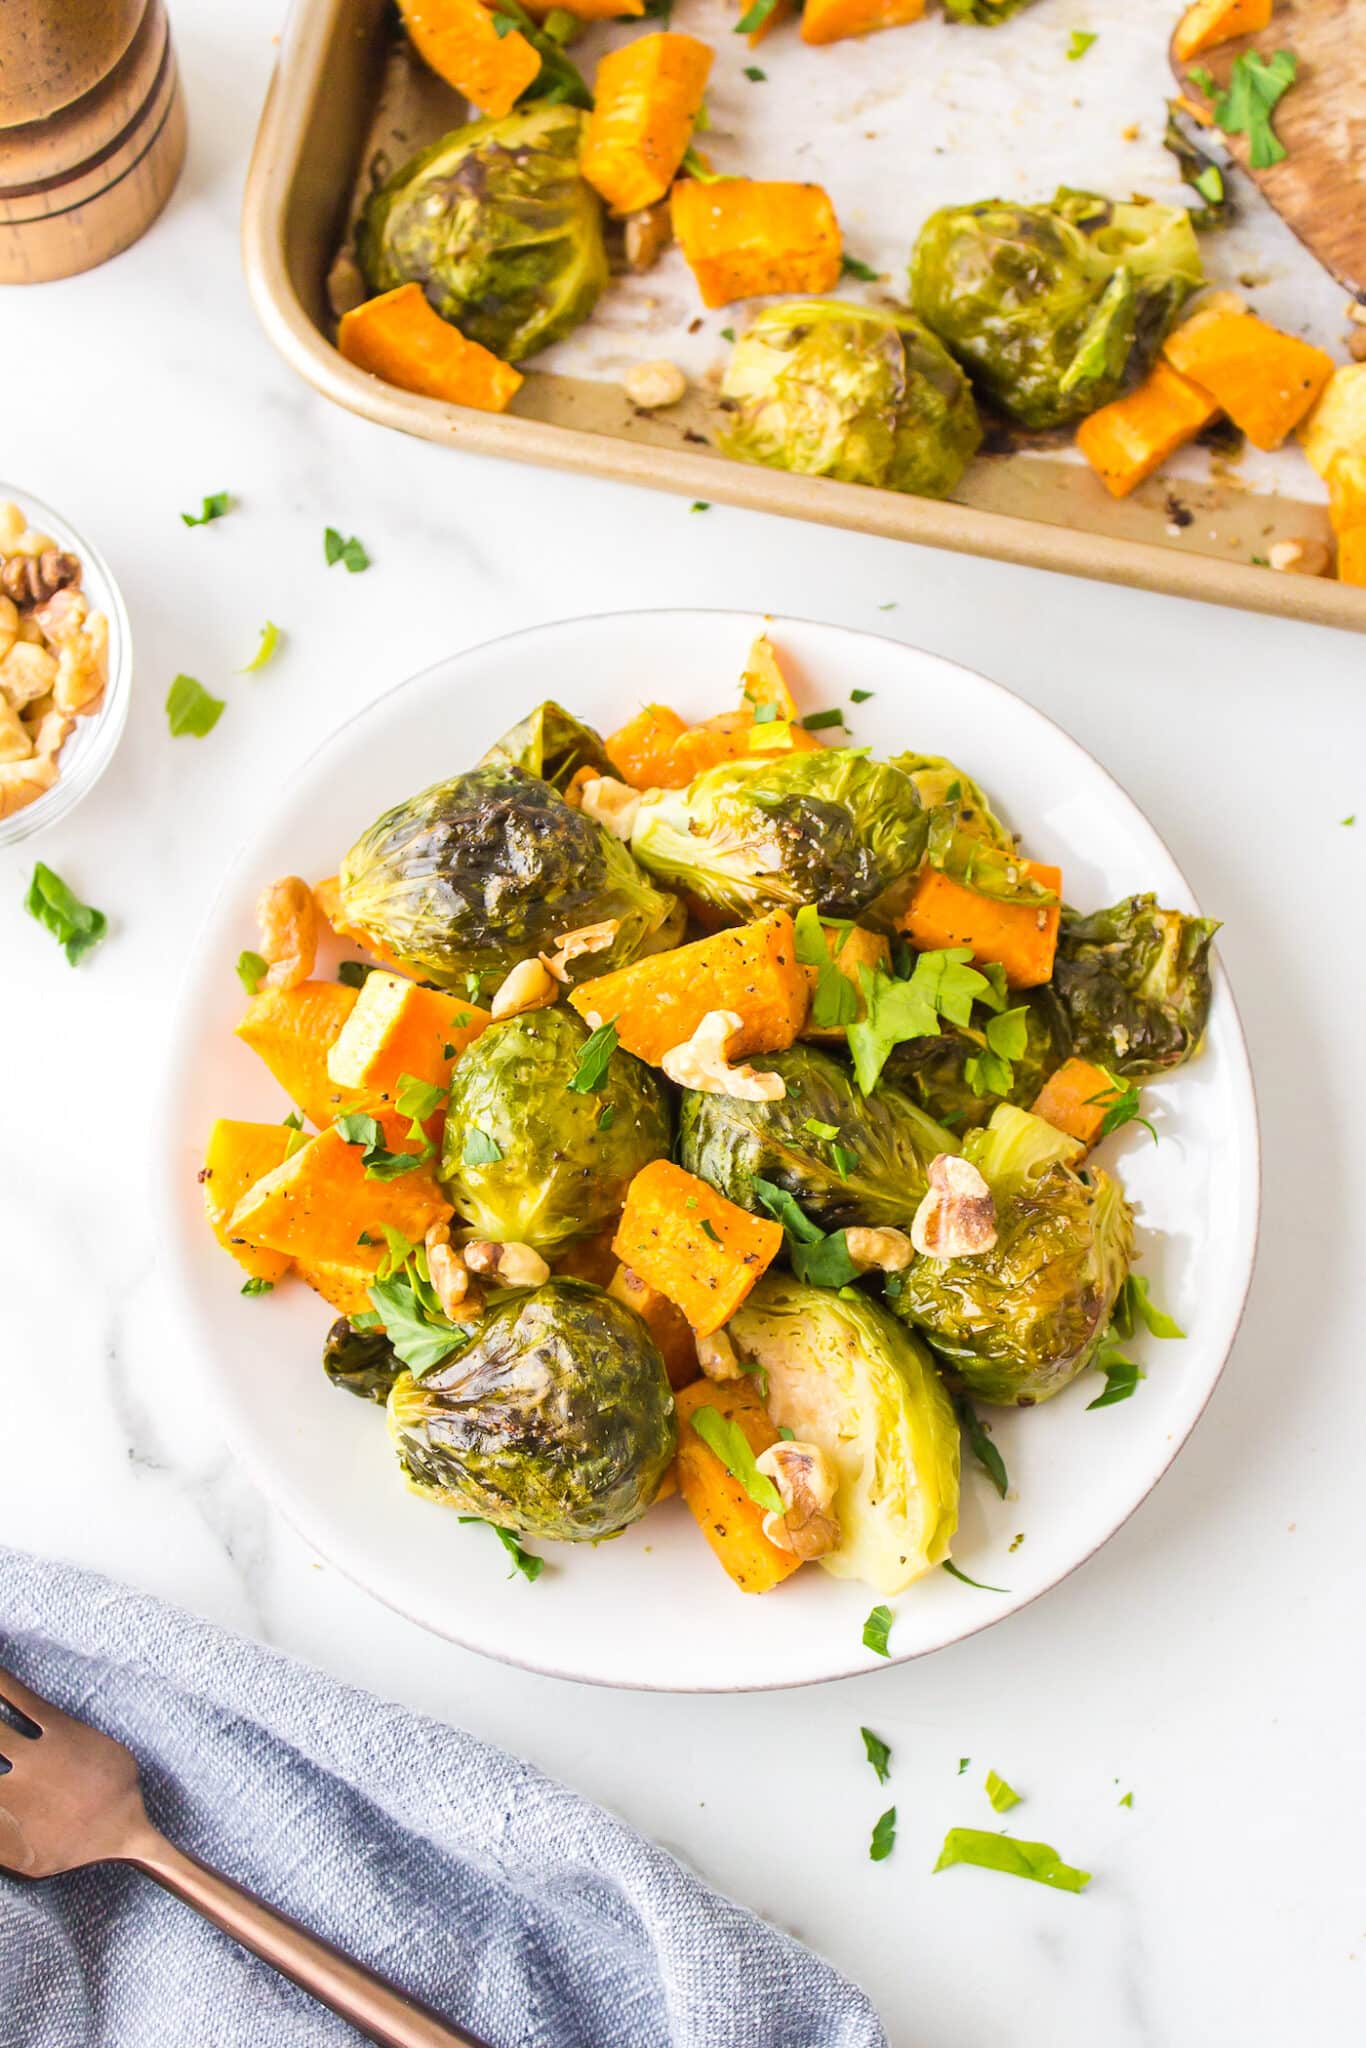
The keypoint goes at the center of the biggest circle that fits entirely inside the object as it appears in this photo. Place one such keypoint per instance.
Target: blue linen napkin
(502, 1899)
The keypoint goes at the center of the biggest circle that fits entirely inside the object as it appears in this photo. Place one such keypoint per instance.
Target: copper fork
(71, 1797)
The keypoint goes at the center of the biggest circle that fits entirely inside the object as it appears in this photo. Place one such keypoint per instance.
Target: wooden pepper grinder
(92, 131)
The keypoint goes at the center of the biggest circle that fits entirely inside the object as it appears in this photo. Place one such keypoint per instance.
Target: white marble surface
(1209, 1659)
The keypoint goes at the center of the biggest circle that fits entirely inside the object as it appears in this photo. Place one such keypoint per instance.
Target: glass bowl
(94, 738)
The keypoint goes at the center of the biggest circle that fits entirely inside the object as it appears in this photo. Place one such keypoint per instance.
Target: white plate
(653, 1608)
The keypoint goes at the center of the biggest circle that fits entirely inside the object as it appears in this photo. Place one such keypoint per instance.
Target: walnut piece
(1304, 557)
(716, 1356)
(515, 1265)
(609, 803)
(589, 938)
(288, 919)
(648, 233)
(530, 986)
(449, 1273)
(957, 1217)
(805, 1479)
(700, 1063)
(650, 386)
(890, 1251)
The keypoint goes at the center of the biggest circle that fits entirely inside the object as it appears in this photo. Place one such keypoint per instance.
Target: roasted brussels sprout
(477, 873)
(883, 1142)
(832, 828)
(842, 1374)
(361, 1361)
(526, 1158)
(985, 13)
(855, 392)
(496, 225)
(1019, 1322)
(556, 1420)
(552, 743)
(942, 786)
(1135, 983)
(933, 1071)
(1053, 309)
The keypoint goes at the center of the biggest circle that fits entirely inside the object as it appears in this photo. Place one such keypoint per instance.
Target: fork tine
(16, 1694)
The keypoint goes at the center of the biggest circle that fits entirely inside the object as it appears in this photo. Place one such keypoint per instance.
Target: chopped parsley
(940, 984)
(1128, 1800)
(253, 1286)
(820, 1130)
(480, 1149)
(1033, 1860)
(877, 1629)
(1122, 1374)
(190, 708)
(981, 1445)
(710, 1230)
(884, 1836)
(1122, 1107)
(963, 1763)
(755, 75)
(728, 334)
(418, 1328)
(951, 1568)
(270, 640)
(417, 1100)
(1134, 1305)
(817, 1259)
(850, 266)
(1001, 1795)
(820, 721)
(1079, 42)
(595, 1057)
(213, 507)
(700, 505)
(293, 1122)
(1256, 85)
(251, 971)
(729, 1443)
(878, 1753)
(74, 925)
(862, 696)
(524, 1562)
(607, 1116)
(378, 1161)
(349, 553)
(754, 17)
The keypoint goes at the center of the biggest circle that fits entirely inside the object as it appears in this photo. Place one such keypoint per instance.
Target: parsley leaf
(813, 947)
(981, 1445)
(523, 1561)
(75, 925)
(816, 1259)
(1127, 1800)
(728, 334)
(1001, 1795)
(754, 17)
(595, 1057)
(820, 1130)
(1255, 86)
(755, 75)
(884, 1836)
(1017, 1859)
(1122, 1108)
(819, 721)
(862, 696)
(293, 1122)
(878, 1753)
(851, 266)
(190, 708)
(1134, 1306)
(480, 1149)
(418, 1328)
(378, 1161)
(254, 1286)
(349, 553)
(1122, 1374)
(730, 1444)
(251, 971)
(607, 1116)
(417, 1100)
(709, 1230)
(213, 507)
(354, 973)
(949, 1566)
(963, 1763)
(700, 504)
(877, 1629)
(1079, 43)
(1202, 76)
(270, 640)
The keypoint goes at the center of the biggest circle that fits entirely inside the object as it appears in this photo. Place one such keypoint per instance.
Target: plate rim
(170, 1211)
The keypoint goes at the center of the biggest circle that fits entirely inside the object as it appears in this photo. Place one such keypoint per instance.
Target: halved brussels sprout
(552, 743)
(473, 875)
(827, 388)
(556, 1420)
(496, 225)
(933, 1071)
(832, 828)
(361, 1361)
(1052, 309)
(1019, 1322)
(527, 1158)
(942, 785)
(842, 1374)
(1135, 982)
(882, 1140)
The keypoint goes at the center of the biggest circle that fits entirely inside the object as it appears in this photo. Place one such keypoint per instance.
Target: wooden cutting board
(1319, 187)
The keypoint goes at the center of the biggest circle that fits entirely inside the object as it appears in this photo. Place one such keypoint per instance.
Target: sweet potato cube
(851, 947)
(319, 1202)
(399, 338)
(763, 683)
(1022, 937)
(1075, 1099)
(292, 1029)
(1337, 425)
(641, 751)
(1352, 555)
(1210, 22)
(664, 1320)
(345, 1287)
(732, 1523)
(237, 1156)
(1347, 492)
(646, 96)
(1130, 438)
(658, 1003)
(398, 1028)
(1264, 380)
(773, 19)
(587, 10)
(830, 21)
(460, 41)
(693, 1245)
(744, 237)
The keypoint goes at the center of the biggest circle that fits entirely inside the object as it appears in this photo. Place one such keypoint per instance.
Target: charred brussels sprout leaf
(477, 873)
(553, 1171)
(832, 828)
(1135, 983)
(844, 1375)
(552, 744)
(496, 225)
(1053, 309)
(855, 392)
(556, 1420)
(1019, 1322)
(942, 786)
(362, 1361)
(984, 13)
(732, 1144)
